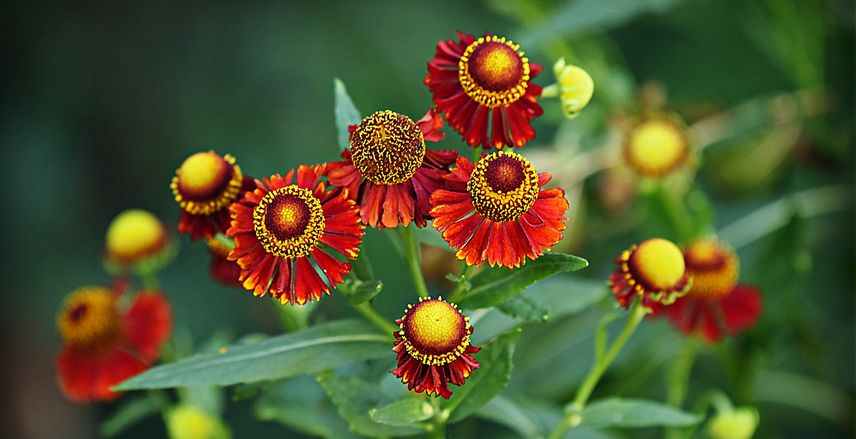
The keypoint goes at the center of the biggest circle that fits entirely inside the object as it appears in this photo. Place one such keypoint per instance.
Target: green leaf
(127, 415)
(302, 405)
(403, 413)
(495, 285)
(345, 111)
(488, 380)
(525, 309)
(315, 349)
(363, 291)
(354, 398)
(531, 417)
(635, 413)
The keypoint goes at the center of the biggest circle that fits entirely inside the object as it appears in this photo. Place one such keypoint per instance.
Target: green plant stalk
(288, 317)
(458, 292)
(367, 310)
(678, 377)
(676, 213)
(411, 254)
(573, 411)
(363, 267)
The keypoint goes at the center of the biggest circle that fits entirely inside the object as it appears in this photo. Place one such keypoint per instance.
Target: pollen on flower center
(656, 147)
(436, 332)
(88, 318)
(713, 266)
(206, 182)
(659, 263)
(503, 186)
(387, 148)
(493, 71)
(289, 221)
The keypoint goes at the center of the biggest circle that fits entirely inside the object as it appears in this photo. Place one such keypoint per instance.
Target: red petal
(89, 377)
(148, 323)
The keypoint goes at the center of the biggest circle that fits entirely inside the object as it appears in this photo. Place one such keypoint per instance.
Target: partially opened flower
(388, 170)
(716, 305)
(279, 229)
(138, 240)
(484, 87)
(497, 211)
(204, 186)
(106, 343)
(654, 271)
(433, 347)
(656, 146)
(222, 269)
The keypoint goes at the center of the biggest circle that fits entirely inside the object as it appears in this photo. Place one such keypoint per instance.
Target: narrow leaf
(364, 291)
(302, 405)
(525, 309)
(345, 111)
(635, 413)
(495, 285)
(315, 349)
(404, 413)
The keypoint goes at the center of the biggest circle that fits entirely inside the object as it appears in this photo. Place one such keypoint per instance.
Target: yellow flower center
(207, 182)
(289, 222)
(387, 148)
(493, 72)
(713, 266)
(134, 234)
(658, 263)
(88, 318)
(656, 147)
(503, 186)
(435, 332)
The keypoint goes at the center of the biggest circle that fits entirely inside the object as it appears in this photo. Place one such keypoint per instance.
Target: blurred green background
(103, 100)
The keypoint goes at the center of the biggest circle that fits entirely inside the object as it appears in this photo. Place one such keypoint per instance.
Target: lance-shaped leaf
(302, 405)
(635, 413)
(404, 412)
(322, 347)
(346, 113)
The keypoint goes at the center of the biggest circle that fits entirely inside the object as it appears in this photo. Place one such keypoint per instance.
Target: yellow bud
(575, 87)
(737, 424)
(189, 422)
(134, 235)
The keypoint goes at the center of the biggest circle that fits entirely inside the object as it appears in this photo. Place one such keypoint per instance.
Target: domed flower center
(89, 319)
(493, 71)
(387, 148)
(289, 221)
(207, 182)
(658, 264)
(134, 234)
(713, 266)
(656, 147)
(435, 332)
(503, 186)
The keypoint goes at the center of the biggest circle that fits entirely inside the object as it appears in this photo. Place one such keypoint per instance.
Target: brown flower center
(503, 186)
(387, 148)
(714, 268)
(493, 71)
(289, 222)
(435, 332)
(89, 318)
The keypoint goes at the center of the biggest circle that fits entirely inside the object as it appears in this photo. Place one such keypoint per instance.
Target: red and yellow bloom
(716, 305)
(105, 343)
(204, 186)
(484, 87)
(497, 211)
(656, 146)
(654, 270)
(433, 347)
(388, 170)
(279, 227)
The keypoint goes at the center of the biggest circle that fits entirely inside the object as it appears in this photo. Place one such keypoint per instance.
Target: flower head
(575, 87)
(388, 170)
(204, 186)
(739, 423)
(105, 343)
(279, 227)
(497, 210)
(656, 146)
(484, 87)
(654, 270)
(433, 347)
(716, 305)
(134, 235)
(190, 422)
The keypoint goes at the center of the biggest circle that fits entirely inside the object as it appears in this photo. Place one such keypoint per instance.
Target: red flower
(496, 210)
(433, 347)
(104, 344)
(204, 186)
(278, 228)
(483, 82)
(388, 170)
(654, 271)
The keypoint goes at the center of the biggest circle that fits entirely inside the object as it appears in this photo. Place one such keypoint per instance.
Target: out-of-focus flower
(575, 87)
(204, 186)
(716, 305)
(389, 172)
(484, 87)
(190, 422)
(433, 347)
(137, 239)
(496, 210)
(278, 228)
(654, 270)
(222, 269)
(656, 146)
(106, 344)
(739, 423)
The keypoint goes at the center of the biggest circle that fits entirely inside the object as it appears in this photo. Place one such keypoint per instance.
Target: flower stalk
(411, 254)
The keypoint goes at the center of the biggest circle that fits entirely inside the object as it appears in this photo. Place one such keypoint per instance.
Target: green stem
(293, 318)
(150, 281)
(371, 314)
(550, 91)
(678, 377)
(458, 292)
(675, 212)
(574, 410)
(363, 267)
(411, 253)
